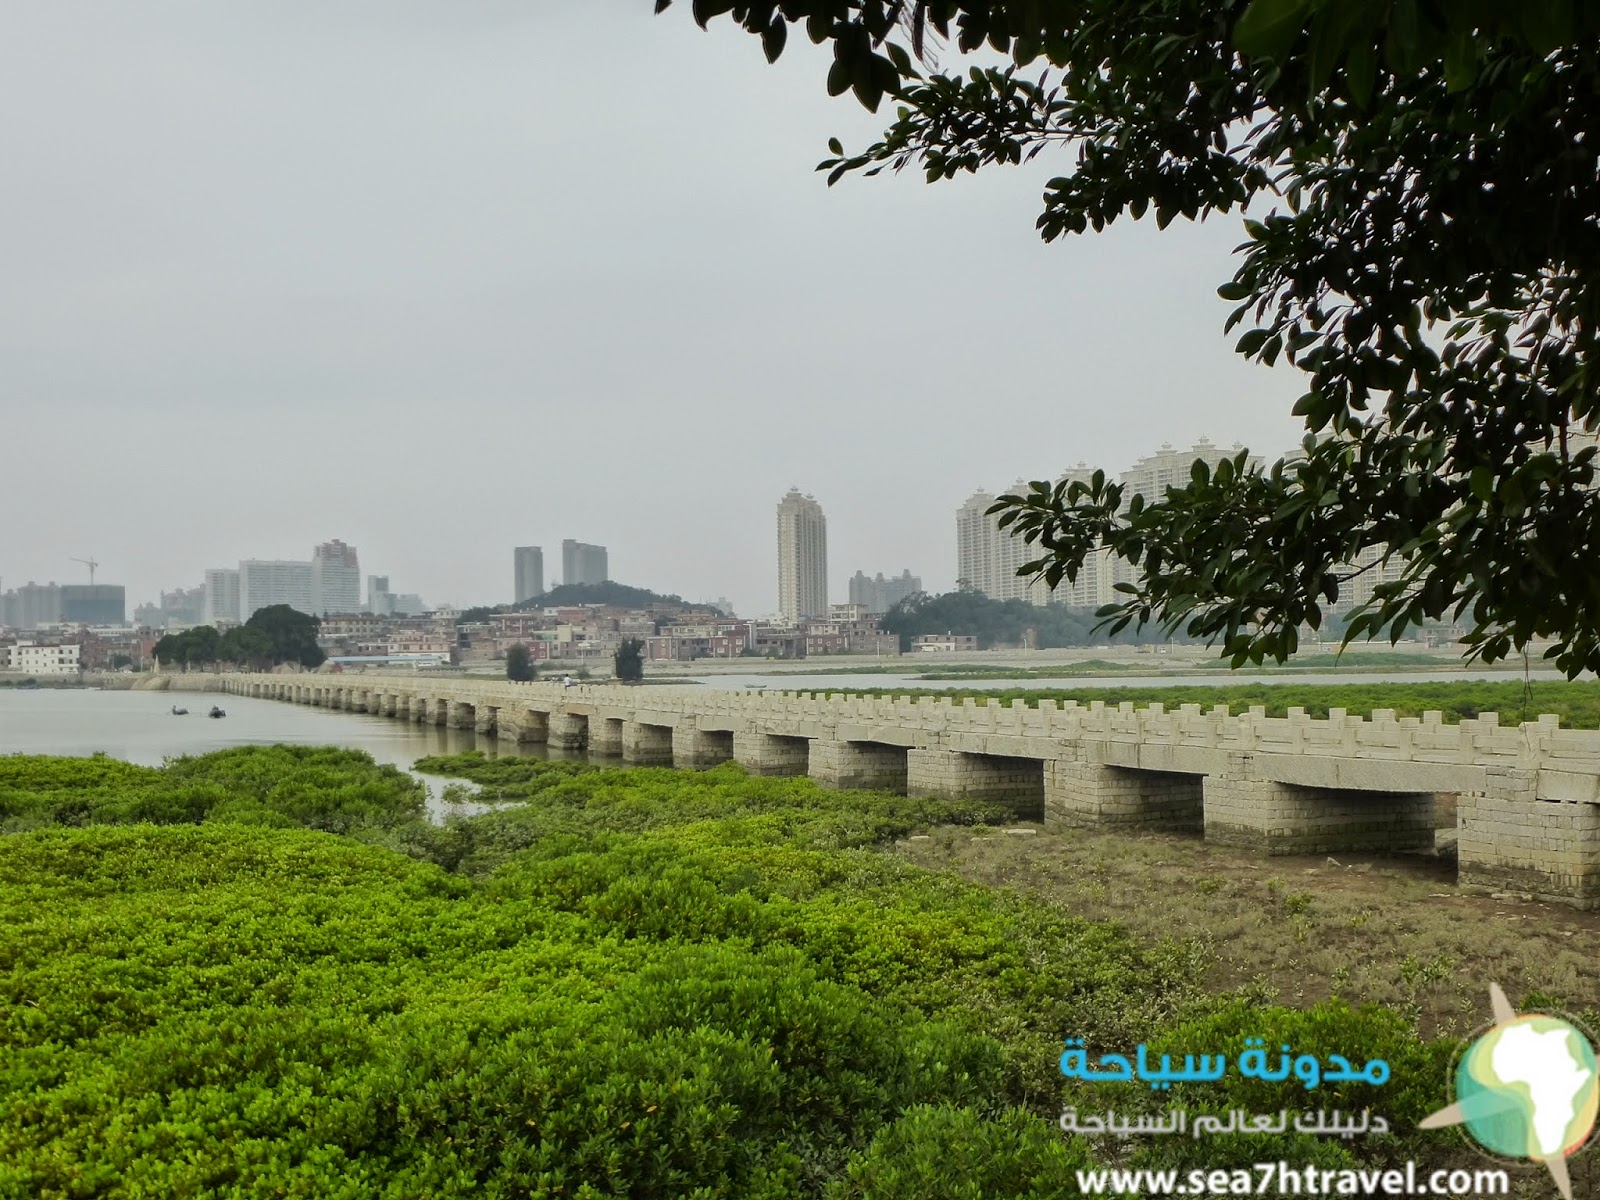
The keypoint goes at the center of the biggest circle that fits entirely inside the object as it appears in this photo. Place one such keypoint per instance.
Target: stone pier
(1017, 783)
(772, 754)
(568, 731)
(865, 765)
(605, 737)
(699, 748)
(463, 716)
(523, 726)
(1509, 840)
(646, 745)
(1094, 794)
(1285, 818)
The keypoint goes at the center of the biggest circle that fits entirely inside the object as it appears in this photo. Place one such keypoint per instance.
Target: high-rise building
(1152, 475)
(31, 605)
(1093, 587)
(878, 595)
(583, 563)
(335, 579)
(93, 604)
(988, 557)
(222, 595)
(265, 582)
(802, 558)
(528, 567)
(380, 600)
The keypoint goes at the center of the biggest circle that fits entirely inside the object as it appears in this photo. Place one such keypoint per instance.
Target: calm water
(139, 727)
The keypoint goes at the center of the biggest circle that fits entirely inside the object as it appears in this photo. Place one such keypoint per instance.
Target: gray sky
(441, 279)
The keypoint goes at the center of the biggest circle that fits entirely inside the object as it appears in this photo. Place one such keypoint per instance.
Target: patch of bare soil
(1394, 931)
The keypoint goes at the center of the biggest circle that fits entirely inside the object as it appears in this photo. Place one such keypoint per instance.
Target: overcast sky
(441, 279)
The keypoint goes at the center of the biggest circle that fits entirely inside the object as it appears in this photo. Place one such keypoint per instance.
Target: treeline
(273, 635)
(1004, 622)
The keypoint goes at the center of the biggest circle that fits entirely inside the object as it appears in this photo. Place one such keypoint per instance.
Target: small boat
(216, 712)
(179, 712)
(755, 687)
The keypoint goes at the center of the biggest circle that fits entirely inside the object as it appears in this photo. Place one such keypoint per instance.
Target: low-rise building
(943, 643)
(711, 639)
(45, 658)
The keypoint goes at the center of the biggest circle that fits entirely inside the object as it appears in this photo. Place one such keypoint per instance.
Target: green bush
(640, 983)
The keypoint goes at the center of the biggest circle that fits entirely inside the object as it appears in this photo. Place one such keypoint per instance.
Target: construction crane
(91, 564)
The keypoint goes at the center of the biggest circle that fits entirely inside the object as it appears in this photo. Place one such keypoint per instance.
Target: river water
(140, 728)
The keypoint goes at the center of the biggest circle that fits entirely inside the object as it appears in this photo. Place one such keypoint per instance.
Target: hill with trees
(1002, 622)
(573, 595)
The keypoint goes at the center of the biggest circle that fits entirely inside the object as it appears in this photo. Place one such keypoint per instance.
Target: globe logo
(1529, 1088)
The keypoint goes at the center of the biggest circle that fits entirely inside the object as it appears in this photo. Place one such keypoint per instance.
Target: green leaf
(773, 39)
(839, 77)
(1461, 62)
(1235, 290)
(1482, 483)
(1268, 28)
(1360, 72)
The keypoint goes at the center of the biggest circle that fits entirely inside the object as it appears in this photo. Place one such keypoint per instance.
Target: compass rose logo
(1528, 1088)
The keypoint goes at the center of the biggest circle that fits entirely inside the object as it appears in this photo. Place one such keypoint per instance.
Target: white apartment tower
(335, 579)
(265, 582)
(581, 562)
(988, 557)
(802, 558)
(222, 595)
(528, 569)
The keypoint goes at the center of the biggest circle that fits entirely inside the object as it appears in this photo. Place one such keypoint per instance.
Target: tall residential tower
(335, 579)
(528, 563)
(583, 563)
(802, 558)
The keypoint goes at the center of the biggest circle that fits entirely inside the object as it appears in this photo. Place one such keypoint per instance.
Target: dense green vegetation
(639, 983)
(1577, 704)
(1001, 622)
(275, 634)
(627, 664)
(319, 787)
(519, 664)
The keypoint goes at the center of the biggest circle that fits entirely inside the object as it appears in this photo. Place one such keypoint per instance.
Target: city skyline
(432, 335)
(985, 559)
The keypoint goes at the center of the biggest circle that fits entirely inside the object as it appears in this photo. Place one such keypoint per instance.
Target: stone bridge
(1528, 798)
